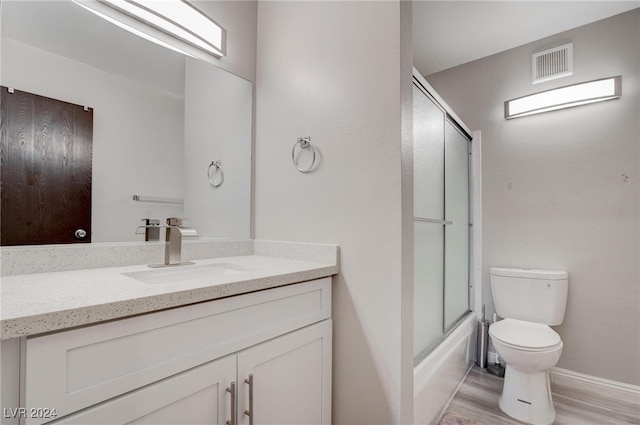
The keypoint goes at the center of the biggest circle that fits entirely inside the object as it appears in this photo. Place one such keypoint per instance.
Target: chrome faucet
(173, 241)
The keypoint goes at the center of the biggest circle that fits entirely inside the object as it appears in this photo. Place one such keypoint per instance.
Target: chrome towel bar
(159, 199)
(432, 220)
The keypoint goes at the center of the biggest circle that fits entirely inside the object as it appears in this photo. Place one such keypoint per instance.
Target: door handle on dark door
(80, 233)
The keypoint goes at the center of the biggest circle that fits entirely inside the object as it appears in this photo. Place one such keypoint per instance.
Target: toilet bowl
(530, 301)
(530, 350)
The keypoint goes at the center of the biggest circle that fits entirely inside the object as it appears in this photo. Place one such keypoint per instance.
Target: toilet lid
(527, 335)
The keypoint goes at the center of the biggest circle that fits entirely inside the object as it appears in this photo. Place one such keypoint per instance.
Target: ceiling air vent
(553, 63)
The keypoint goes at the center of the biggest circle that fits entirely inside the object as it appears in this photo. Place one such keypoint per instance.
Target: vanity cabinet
(266, 352)
(196, 396)
(286, 374)
(290, 379)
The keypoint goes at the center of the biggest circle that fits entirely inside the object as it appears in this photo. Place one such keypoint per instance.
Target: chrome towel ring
(217, 169)
(305, 143)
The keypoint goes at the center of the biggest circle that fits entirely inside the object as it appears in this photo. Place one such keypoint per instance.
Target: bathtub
(438, 376)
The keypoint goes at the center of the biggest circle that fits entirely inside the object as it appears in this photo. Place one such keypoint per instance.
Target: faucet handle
(174, 221)
(151, 228)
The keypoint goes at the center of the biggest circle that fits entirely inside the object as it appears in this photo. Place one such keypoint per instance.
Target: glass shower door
(440, 223)
(456, 247)
(428, 165)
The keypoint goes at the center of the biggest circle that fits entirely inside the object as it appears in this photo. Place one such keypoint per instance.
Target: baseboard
(603, 387)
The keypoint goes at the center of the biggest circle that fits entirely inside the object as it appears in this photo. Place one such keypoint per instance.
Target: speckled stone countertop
(43, 302)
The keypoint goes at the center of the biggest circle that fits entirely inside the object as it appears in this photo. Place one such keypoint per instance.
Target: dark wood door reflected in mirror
(45, 186)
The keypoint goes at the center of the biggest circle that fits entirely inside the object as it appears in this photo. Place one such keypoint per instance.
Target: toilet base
(527, 396)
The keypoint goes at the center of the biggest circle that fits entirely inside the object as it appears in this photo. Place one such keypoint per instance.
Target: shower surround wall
(340, 72)
(561, 190)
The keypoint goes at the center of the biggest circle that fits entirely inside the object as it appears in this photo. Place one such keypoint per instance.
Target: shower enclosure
(441, 165)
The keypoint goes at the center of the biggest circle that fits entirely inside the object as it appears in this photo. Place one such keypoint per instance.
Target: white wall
(138, 135)
(240, 20)
(340, 72)
(217, 113)
(561, 190)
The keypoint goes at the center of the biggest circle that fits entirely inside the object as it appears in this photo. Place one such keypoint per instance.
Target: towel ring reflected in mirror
(304, 143)
(217, 169)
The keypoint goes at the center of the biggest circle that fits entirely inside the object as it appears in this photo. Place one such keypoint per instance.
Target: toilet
(529, 301)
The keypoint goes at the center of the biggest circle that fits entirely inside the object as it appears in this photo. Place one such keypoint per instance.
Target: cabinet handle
(232, 389)
(249, 412)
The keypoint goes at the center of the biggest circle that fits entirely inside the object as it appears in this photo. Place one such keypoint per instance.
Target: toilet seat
(525, 336)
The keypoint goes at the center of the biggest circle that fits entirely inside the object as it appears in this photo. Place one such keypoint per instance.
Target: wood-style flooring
(476, 403)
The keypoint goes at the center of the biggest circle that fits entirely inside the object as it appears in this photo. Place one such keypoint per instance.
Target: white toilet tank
(533, 295)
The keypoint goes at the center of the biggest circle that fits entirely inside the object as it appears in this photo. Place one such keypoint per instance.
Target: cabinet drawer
(197, 396)
(76, 369)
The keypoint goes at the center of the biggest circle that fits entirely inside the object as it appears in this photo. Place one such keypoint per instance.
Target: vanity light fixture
(172, 23)
(564, 97)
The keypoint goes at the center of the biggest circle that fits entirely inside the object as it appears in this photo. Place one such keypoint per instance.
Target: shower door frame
(458, 125)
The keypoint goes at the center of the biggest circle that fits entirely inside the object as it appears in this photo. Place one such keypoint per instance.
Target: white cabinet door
(197, 396)
(60, 369)
(291, 378)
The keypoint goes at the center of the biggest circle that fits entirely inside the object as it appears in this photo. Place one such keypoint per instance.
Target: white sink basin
(190, 273)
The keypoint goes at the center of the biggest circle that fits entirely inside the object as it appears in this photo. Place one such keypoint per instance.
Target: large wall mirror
(160, 119)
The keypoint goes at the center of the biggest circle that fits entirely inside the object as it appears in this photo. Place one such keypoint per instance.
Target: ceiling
(445, 33)
(66, 29)
(450, 33)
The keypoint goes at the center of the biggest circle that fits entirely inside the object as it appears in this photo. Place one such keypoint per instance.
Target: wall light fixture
(171, 23)
(564, 97)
